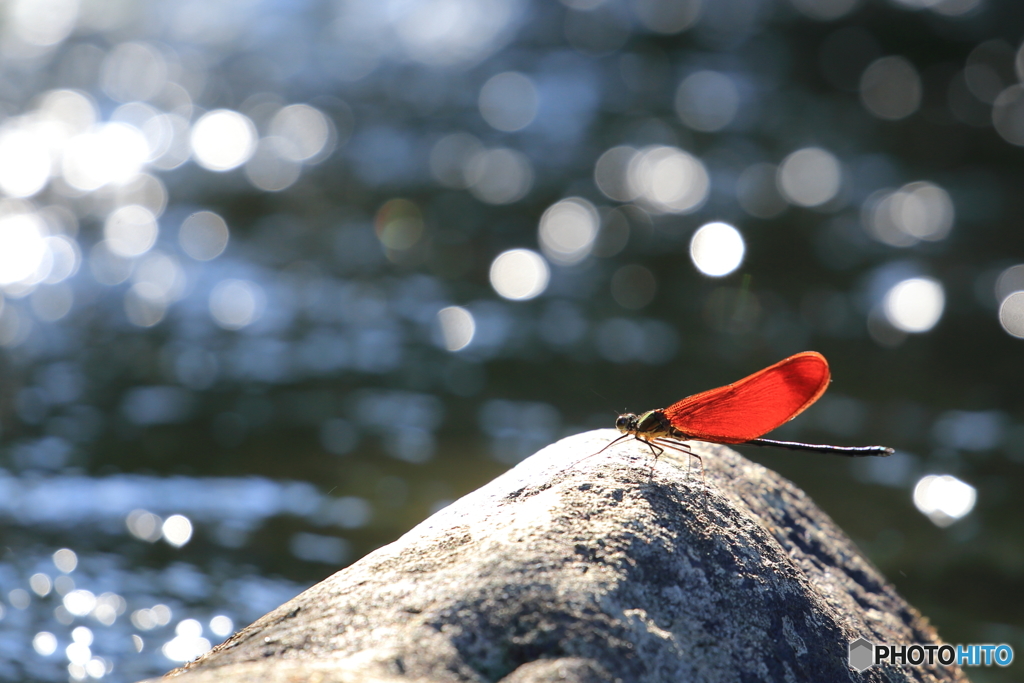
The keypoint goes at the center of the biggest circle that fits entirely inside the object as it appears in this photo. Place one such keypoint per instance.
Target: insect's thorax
(654, 424)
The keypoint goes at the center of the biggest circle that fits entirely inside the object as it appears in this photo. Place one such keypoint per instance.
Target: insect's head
(626, 423)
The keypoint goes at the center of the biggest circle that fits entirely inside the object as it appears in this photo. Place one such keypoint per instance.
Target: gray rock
(608, 570)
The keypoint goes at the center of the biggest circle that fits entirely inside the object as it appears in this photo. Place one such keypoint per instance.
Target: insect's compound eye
(625, 422)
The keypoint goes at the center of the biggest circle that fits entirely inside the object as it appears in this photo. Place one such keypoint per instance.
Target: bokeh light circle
(66, 258)
(133, 71)
(567, 230)
(610, 173)
(23, 247)
(44, 643)
(399, 224)
(177, 531)
(1008, 115)
(668, 17)
(112, 153)
(717, 249)
(508, 101)
(25, 162)
(499, 176)
(307, 130)
(272, 167)
(943, 498)
(917, 211)
(519, 274)
(130, 231)
(890, 88)
(450, 159)
(954, 8)
(925, 211)
(915, 305)
(1009, 281)
(143, 304)
(668, 179)
(223, 139)
(809, 177)
(40, 23)
(457, 327)
(163, 276)
(1011, 314)
(204, 235)
(707, 101)
(235, 304)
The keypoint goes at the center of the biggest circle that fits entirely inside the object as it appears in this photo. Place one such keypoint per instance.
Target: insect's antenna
(598, 453)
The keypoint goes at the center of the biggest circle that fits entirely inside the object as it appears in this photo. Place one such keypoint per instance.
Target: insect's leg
(653, 446)
(685, 448)
(656, 455)
(700, 462)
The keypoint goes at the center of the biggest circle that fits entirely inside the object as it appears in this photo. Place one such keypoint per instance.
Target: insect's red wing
(755, 405)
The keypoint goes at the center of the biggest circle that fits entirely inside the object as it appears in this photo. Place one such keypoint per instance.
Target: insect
(741, 412)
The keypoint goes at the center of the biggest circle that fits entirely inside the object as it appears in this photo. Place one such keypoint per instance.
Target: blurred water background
(282, 277)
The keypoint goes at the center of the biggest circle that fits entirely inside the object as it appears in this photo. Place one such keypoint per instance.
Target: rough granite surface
(602, 571)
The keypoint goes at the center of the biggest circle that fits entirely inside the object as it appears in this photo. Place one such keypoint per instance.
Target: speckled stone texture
(602, 571)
